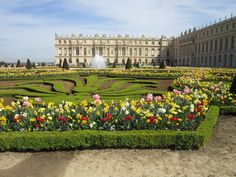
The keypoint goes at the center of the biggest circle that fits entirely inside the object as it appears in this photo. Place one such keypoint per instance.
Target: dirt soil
(164, 84)
(68, 85)
(216, 159)
(11, 83)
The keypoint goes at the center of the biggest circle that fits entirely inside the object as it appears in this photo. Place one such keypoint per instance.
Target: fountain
(98, 62)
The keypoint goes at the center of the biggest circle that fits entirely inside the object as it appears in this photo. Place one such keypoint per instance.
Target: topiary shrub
(65, 64)
(233, 86)
(28, 64)
(18, 64)
(128, 64)
(162, 64)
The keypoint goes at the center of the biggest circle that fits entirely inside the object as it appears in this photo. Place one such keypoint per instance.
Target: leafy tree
(28, 64)
(233, 86)
(65, 64)
(114, 65)
(162, 64)
(34, 66)
(12, 66)
(138, 64)
(43, 64)
(18, 64)
(128, 64)
(5, 65)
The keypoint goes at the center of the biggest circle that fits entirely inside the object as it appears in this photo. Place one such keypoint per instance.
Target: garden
(55, 109)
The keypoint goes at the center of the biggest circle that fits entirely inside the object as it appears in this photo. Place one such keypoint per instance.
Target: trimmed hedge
(83, 139)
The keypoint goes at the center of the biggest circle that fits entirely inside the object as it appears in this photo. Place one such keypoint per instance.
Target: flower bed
(172, 111)
(68, 140)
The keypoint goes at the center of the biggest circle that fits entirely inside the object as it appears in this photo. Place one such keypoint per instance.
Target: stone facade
(81, 49)
(211, 46)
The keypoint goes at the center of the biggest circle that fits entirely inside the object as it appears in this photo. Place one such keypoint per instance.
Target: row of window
(101, 51)
(222, 28)
(216, 45)
(211, 61)
(108, 42)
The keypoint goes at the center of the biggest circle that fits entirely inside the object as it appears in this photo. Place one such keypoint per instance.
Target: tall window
(216, 44)
(226, 43)
(153, 52)
(140, 52)
(77, 50)
(108, 51)
(211, 46)
(135, 52)
(85, 51)
(146, 52)
(130, 51)
(232, 42)
(206, 46)
(221, 43)
(123, 51)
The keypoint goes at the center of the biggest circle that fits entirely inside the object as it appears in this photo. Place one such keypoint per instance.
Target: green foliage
(128, 64)
(162, 64)
(65, 64)
(43, 64)
(28, 64)
(233, 86)
(18, 64)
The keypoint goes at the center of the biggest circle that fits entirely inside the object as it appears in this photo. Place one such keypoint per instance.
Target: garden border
(84, 139)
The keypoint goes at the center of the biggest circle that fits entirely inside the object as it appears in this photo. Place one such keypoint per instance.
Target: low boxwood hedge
(68, 140)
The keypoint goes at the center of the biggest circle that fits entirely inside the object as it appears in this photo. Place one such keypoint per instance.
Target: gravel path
(218, 158)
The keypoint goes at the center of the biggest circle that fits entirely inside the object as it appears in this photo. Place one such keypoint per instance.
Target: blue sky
(27, 27)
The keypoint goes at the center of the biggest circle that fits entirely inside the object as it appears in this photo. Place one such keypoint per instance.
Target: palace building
(81, 49)
(210, 46)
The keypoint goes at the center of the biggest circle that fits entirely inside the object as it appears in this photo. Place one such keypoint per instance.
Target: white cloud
(25, 34)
